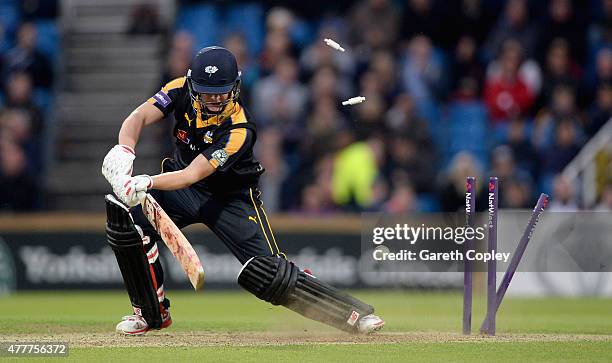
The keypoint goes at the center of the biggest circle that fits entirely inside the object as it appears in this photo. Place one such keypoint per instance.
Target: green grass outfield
(234, 326)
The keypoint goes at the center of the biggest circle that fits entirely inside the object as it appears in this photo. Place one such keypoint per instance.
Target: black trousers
(237, 218)
(239, 221)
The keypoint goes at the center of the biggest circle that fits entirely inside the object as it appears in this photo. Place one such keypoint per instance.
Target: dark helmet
(214, 70)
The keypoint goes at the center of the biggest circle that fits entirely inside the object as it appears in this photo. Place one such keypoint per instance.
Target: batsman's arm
(221, 155)
(143, 115)
(199, 169)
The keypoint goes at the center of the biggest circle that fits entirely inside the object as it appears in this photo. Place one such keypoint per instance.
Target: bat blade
(175, 240)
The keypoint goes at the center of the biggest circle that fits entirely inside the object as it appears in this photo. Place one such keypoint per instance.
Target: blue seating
(43, 98)
(48, 40)
(430, 111)
(201, 20)
(427, 202)
(467, 130)
(247, 19)
(9, 21)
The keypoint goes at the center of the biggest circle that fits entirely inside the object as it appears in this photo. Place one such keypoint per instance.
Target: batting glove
(118, 162)
(134, 189)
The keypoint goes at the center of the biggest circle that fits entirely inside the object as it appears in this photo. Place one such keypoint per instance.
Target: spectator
(601, 73)
(269, 152)
(472, 17)
(279, 99)
(506, 94)
(452, 186)
(600, 31)
(564, 148)
(317, 196)
(600, 112)
(370, 84)
(402, 200)
(411, 148)
(323, 126)
(516, 194)
(238, 45)
(179, 56)
(19, 96)
(355, 170)
(563, 196)
(559, 69)
(403, 118)
(47, 9)
(369, 116)
(605, 204)
(562, 105)
(326, 83)
(422, 18)
(563, 22)
(18, 190)
(277, 44)
(422, 73)
(16, 126)
(314, 201)
(144, 19)
(505, 168)
(417, 165)
(383, 67)
(466, 65)
(24, 57)
(529, 71)
(519, 142)
(374, 14)
(514, 23)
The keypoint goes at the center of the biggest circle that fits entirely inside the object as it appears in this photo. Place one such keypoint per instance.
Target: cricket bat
(175, 240)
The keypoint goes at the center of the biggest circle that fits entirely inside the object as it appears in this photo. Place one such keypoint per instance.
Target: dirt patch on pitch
(194, 339)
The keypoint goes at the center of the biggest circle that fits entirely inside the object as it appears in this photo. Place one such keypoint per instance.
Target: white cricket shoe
(132, 325)
(369, 324)
(137, 325)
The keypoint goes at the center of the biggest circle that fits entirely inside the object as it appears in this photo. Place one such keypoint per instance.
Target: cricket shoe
(137, 325)
(369, 324)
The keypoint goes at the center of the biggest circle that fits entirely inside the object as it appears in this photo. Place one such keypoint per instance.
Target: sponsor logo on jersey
(208, 137)
(221, 156)
(162, 98)
(189, 120)
(182, 135)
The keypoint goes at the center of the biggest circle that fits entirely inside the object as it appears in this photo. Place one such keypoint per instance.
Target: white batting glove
(118, 162)
(133, 190)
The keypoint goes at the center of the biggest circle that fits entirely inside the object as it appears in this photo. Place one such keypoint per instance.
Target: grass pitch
(235, 326)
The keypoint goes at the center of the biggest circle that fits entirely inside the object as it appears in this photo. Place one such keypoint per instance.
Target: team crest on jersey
(182, 135)
(221, 156)
(210, 70)
(208, 137)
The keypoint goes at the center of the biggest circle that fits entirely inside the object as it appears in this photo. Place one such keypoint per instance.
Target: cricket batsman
(212, 178)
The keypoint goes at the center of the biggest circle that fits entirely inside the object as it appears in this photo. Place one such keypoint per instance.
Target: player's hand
(118, 162)
(134, 189)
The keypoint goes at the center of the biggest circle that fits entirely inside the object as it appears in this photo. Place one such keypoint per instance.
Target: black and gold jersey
(226, 140)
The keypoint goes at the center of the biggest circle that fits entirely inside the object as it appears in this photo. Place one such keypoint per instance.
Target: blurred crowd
(506, 88)
(511, 89)
(27, 48)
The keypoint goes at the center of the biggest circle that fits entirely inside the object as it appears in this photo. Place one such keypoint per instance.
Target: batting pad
(126, 242)
(280, 282)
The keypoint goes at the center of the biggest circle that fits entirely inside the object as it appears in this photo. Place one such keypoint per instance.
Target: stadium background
(514, 89)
